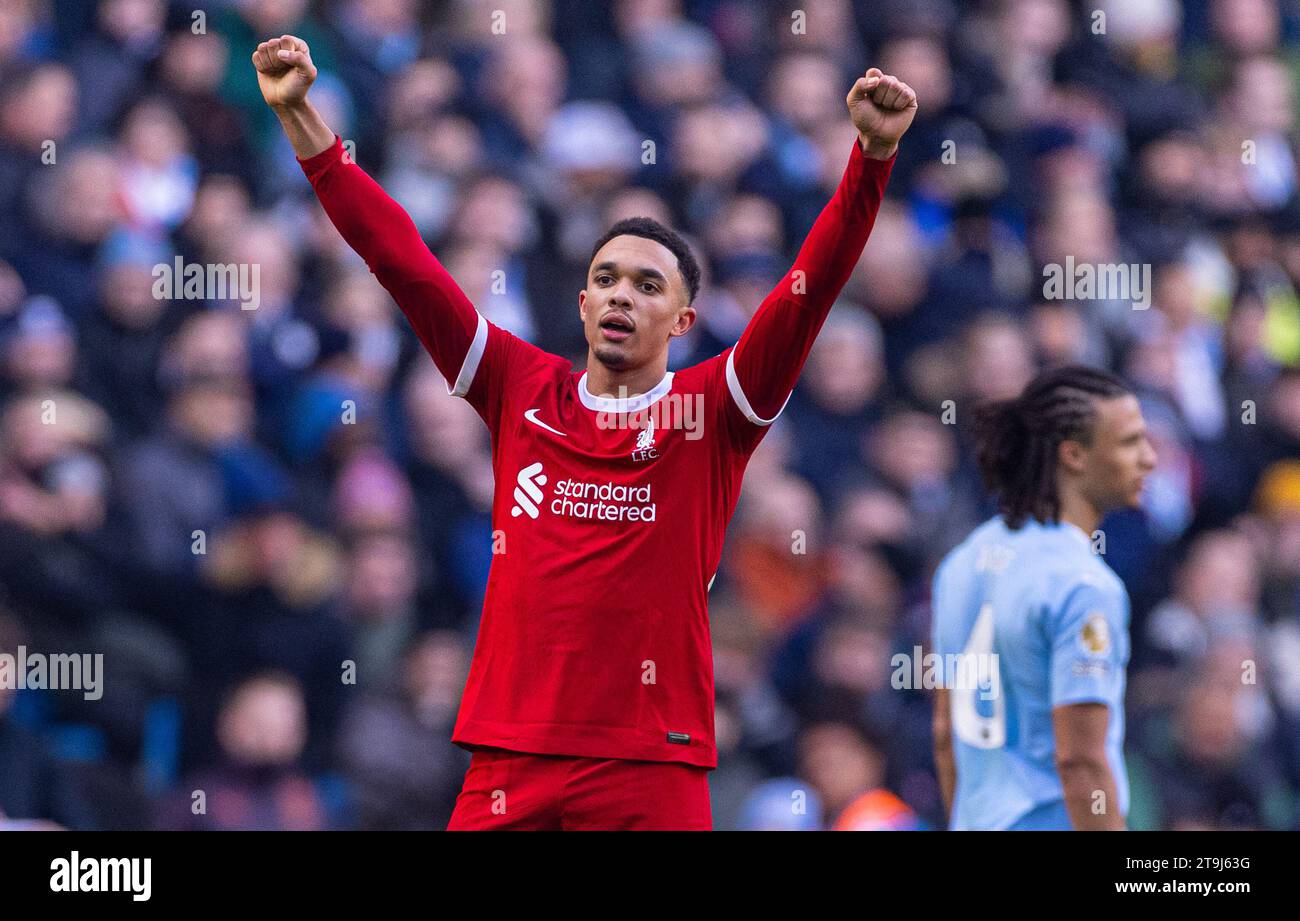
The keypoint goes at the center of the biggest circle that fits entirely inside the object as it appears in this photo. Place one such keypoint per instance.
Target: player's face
(1120, 456)
(634, 302)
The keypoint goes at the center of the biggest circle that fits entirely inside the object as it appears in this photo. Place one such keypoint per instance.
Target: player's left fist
(882, 108)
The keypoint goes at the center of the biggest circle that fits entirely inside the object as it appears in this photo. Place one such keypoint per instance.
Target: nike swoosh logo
(531, 416)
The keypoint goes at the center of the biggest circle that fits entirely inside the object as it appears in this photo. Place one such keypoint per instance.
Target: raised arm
(374, 225)
(766, 362)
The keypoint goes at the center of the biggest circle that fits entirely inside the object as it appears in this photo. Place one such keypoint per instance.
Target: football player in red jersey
(589, 703)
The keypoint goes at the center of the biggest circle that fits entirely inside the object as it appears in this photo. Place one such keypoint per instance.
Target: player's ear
(1071, 454)
(685, 320)
(582, 305)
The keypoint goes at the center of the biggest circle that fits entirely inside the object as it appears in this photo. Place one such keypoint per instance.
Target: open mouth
(616, 327)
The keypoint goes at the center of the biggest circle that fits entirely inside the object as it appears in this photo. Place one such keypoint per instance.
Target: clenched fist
(882, 108)
(284, 71)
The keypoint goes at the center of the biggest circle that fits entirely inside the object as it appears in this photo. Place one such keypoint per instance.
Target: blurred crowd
(274, 523)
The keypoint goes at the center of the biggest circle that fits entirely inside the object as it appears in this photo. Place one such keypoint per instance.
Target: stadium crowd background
(192, 425)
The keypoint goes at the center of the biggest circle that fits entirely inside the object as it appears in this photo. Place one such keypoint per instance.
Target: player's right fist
(284, 71)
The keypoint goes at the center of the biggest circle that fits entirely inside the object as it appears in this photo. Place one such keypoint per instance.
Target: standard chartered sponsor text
(603, 501)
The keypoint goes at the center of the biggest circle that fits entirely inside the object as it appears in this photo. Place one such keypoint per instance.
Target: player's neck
(631, 382)
(1079, 512)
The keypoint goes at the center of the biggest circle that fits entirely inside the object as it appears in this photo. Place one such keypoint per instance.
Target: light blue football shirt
(1035, 620)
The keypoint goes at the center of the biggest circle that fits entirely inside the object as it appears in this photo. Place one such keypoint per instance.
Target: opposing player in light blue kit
(1031, 623)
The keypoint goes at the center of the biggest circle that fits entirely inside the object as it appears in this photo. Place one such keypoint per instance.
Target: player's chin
(611, 355)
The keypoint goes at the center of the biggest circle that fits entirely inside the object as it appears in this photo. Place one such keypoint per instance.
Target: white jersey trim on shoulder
(742, 401)
(470, 365)
(619, 404)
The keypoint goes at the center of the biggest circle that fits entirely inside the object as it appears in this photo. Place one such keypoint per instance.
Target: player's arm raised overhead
(765, 364)
(369, 220)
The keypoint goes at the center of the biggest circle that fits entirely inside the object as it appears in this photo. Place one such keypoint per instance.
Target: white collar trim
(619, 404)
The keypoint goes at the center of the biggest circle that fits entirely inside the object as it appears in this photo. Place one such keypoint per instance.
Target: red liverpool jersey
(609, 514)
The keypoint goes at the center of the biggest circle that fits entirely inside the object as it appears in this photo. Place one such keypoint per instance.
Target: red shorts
(515, 791)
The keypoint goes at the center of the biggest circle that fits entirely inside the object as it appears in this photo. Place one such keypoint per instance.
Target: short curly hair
(651, 229)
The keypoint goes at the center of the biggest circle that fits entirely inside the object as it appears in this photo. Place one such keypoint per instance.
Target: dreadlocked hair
(1016, 440)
